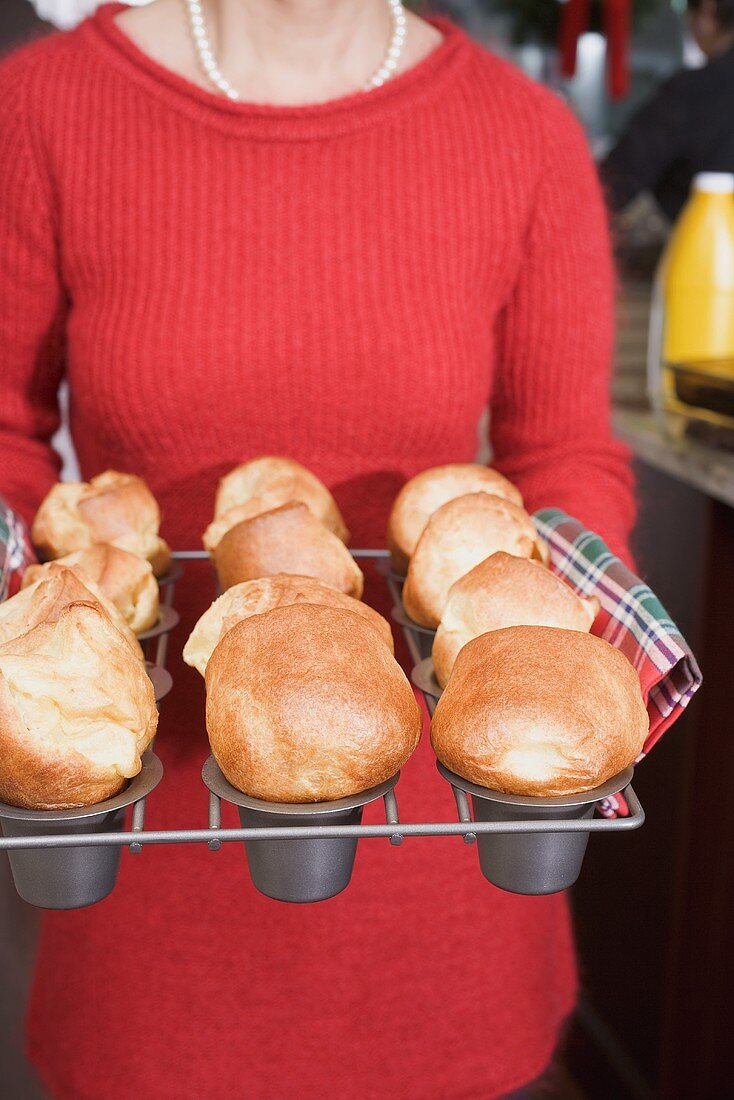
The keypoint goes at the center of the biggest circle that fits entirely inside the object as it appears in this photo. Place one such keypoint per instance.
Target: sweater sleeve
(32, 307)
(550, 405)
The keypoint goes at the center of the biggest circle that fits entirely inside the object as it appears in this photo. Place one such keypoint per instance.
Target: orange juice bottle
(691, 349)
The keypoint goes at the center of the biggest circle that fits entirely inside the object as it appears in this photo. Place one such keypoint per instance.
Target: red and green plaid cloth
(15, 551)
(631, 618)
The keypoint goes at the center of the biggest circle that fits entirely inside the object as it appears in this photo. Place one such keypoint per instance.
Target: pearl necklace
(213, 73)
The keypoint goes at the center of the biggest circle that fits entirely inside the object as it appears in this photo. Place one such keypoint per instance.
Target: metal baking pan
(283, 864)
(523, 862)
(161, 680)
(78, 876)
(164, 624)
(292, 869)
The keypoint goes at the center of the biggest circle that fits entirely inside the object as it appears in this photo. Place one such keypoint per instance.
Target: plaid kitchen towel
(631, 618)
(15, 551)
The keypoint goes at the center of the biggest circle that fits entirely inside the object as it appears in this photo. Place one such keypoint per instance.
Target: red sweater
(348, 284)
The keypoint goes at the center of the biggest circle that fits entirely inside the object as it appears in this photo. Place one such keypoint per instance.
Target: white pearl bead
(209, 64)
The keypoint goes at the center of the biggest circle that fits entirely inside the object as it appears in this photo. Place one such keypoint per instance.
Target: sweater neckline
(356, 111)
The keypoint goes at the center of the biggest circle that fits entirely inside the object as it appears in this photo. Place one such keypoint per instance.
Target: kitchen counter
(697, 464)
(690, 461)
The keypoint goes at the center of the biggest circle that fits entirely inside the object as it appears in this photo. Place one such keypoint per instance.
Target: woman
(345, 276)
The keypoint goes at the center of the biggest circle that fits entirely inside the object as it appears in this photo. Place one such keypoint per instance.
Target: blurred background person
(687, 126)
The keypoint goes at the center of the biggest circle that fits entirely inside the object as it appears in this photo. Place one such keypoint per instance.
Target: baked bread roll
(534, 710)
(287, 540)
(77, 710)
(266, 483)
(257, 597)
(505, 591)
(307, 704)
(126, 580)
(420, 497)
(457, 537)
(219, 527)
(45, 599)
(112, 507)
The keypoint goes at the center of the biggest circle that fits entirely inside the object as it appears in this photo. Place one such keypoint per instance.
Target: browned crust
(286, 540)
(277, 480)
(502, 591)
(39, 773)
(423, 494)
(57, 526)
(534, 710)
(125, 579)
(263, 595)
(306, 704)
(45, 600)
(113, 507)
(456, 538)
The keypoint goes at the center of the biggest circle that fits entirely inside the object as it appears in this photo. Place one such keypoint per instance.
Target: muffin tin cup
(164, 624)
(422, 635)
(384, 566)
(419, 638)
(73, 878)
(161, 680)
(154, 641)
(297, 870)
(533, 862)
(174, 573)
(423, 677)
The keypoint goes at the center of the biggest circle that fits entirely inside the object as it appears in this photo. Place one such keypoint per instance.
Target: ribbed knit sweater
(348, 284)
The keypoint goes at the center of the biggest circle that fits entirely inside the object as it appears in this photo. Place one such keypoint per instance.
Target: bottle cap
(714, 183)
